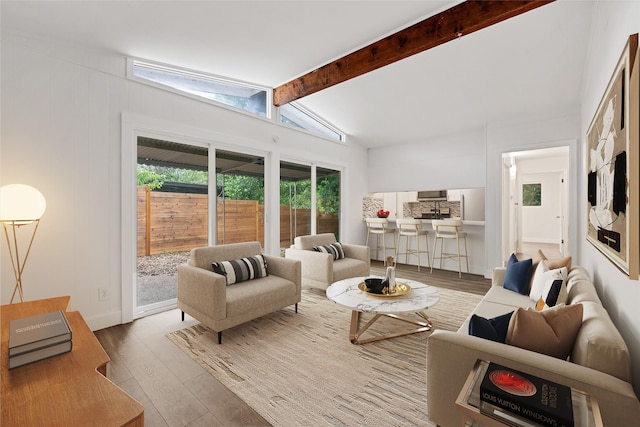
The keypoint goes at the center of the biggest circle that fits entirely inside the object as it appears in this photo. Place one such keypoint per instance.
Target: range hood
(432, 196)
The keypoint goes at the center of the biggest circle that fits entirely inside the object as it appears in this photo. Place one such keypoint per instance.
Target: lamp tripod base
(16, 263)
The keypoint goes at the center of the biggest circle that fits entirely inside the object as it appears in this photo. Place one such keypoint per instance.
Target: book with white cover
(37, 332)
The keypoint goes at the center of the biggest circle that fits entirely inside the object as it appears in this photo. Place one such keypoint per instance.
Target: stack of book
(522, 399)
(38, 337)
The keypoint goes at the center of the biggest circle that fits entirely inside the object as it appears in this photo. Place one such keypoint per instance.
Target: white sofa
(600, 363)
(319, 269)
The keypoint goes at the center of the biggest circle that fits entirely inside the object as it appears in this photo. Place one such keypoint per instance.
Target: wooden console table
(67, 389)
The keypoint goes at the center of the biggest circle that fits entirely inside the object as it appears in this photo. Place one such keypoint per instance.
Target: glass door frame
(341, 168)
(158, 307)
(293, 223)
(216, 146)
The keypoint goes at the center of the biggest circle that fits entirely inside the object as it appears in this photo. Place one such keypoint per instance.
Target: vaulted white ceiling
(528, 65)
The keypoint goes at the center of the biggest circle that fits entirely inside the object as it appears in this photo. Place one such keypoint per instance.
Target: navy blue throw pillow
(494, 329)
(518, 275)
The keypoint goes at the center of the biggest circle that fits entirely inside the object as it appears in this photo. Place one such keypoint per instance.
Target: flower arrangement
(383, 214)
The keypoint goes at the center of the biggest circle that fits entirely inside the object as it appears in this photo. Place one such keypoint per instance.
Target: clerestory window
(296, 116)
(249, 98)
(242, 96)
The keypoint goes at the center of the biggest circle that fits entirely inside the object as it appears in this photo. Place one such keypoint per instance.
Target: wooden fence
(174, 222)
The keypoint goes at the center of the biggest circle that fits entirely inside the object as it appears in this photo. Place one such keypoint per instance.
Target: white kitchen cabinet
(453, 195)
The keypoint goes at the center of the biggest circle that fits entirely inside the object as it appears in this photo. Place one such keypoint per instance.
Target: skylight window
(252, 99)
(296, 116)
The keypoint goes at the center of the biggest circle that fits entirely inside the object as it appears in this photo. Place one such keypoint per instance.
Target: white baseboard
(104, 320)
(526, 240)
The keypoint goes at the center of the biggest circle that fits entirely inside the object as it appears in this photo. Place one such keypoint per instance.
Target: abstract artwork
(612, 167)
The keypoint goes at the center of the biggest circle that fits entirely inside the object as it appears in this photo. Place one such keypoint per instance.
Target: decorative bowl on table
(375, 285)
(382, 213)
(401, 289)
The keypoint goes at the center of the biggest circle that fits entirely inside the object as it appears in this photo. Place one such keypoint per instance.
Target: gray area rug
(302, 370)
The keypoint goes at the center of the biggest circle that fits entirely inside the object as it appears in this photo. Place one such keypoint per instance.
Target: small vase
(390, 278)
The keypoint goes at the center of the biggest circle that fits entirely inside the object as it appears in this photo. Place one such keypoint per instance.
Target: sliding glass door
(328, 201)
(297, 195)
(295, 202)
(172, 217)
(174, 212)
(239, 197)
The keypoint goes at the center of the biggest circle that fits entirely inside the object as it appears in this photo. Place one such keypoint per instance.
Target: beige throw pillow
(552, 264)
(550, 332)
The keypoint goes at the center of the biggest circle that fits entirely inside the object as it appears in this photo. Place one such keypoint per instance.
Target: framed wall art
(612, 166)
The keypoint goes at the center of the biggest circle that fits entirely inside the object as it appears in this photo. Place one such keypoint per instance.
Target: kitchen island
(475, 248)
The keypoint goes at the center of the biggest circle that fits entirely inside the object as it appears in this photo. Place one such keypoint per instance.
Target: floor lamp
(19, 205)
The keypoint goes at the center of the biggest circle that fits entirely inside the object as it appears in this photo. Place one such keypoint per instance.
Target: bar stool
(380, 227)
(449, 229)
(408, 228)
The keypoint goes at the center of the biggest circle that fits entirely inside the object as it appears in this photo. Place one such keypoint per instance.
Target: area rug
(302, 370)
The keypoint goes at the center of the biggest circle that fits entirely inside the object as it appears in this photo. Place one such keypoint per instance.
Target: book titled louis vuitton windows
(535, 399)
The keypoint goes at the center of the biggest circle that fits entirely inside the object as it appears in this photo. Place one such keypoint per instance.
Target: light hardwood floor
(551, 251)
(176, 391)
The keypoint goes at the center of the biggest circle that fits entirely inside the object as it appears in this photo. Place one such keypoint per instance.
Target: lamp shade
(21, 204)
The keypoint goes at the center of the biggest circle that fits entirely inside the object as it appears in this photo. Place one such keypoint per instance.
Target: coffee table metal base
(356, 331)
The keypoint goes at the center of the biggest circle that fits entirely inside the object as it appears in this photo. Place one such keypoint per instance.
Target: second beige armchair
(320, 269)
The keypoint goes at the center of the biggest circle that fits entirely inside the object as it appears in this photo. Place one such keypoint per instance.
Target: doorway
(534, 202)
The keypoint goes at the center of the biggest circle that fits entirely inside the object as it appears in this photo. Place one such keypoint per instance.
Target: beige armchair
(206, 296)
(319, 269)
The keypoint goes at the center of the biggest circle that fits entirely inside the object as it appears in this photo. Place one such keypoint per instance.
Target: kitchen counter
(475, 247)
(465, 222)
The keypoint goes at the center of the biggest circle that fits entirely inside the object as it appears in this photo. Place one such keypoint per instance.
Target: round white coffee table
(347, 293)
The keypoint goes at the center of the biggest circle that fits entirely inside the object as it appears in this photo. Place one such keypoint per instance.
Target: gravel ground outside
(158, 277)
(161, 264)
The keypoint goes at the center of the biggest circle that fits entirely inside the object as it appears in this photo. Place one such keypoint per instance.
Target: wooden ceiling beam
(462, 19)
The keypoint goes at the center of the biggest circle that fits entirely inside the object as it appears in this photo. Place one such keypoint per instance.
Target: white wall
(452, 161)
(614, 22)
(61, 133)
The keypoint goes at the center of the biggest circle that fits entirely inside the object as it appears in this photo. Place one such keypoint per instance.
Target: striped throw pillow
(334, 249)
(240, 270)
